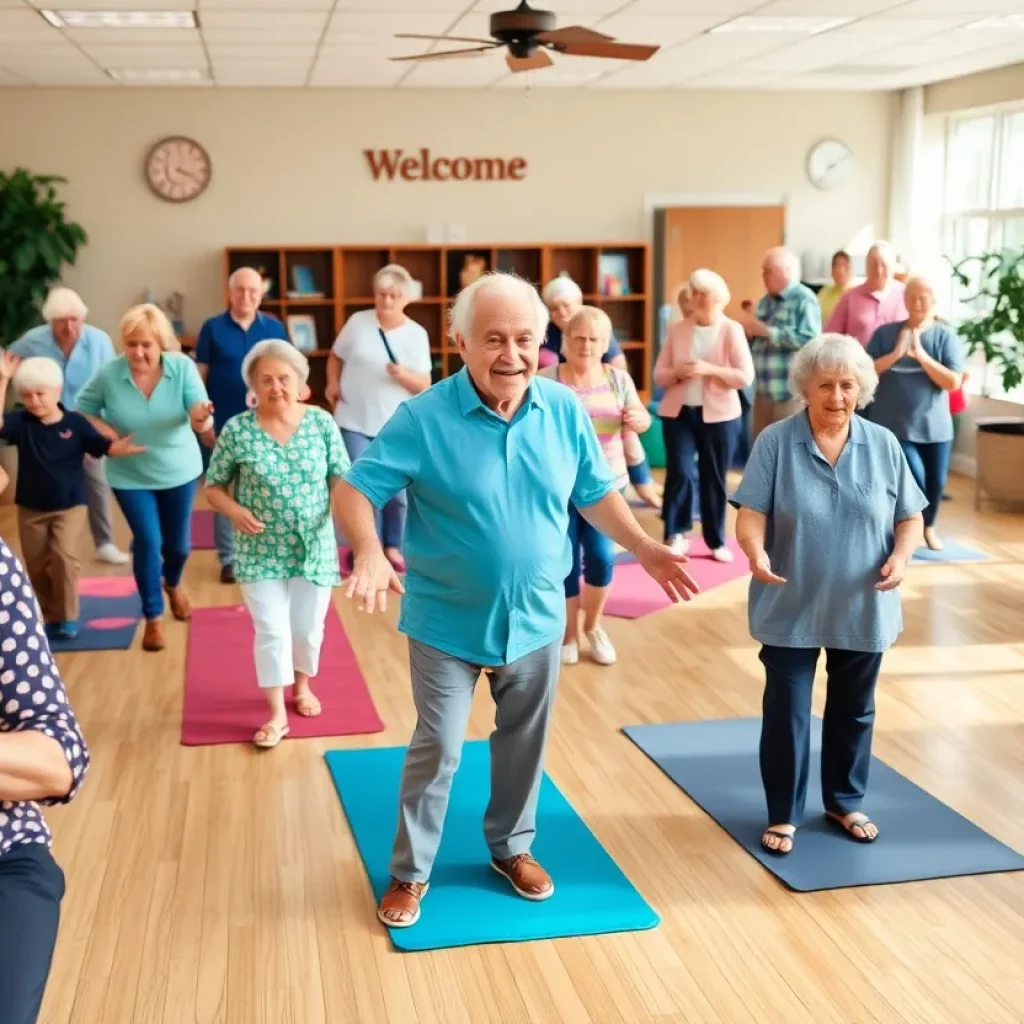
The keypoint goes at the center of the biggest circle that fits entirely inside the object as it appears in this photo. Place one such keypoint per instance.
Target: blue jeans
(391, 519)
(929, 465)
(161, 525)
(593, 554)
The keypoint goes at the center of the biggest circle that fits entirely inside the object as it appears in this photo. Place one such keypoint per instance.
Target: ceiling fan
(529, 35)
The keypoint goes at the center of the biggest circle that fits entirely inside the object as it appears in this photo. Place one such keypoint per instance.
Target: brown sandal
(153, 635)
(401, 898)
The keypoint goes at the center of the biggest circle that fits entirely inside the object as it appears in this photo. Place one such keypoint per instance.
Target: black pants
(31, 888)
(847, 726)
(686, 436)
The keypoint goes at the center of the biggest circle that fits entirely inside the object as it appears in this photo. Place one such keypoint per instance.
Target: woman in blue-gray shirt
(918, 362)
(829, 515)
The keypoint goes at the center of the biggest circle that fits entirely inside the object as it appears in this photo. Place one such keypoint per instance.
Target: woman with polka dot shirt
(43, 759)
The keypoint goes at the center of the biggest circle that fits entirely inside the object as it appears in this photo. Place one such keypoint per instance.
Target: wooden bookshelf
(342, 279)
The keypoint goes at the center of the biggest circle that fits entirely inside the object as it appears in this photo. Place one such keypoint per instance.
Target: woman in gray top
(919, 361)
(829, 515)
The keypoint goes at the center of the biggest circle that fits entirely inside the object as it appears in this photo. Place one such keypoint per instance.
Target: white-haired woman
(919, 361)
(702, 365)
(609, 396)
(153, 393)
(829, 515)
(564, 298)
(284, 459)
(879, 300)
(380, 359)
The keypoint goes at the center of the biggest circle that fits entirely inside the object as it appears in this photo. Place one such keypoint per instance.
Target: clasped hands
(694, 368)
(892, 572)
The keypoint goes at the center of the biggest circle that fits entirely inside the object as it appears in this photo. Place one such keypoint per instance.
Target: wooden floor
(221, 884)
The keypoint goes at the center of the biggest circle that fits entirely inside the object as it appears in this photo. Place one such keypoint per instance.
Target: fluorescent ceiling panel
(118, 5)
(62, 18)
(770, 26)
(133, 36)
(159, 76)
(206, 6)
(721, 8)
(825, 8)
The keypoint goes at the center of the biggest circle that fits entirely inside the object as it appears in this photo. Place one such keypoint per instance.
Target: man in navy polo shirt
(224, 341)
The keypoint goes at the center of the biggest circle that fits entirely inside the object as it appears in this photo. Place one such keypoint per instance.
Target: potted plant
(36, 242)
(993, 285)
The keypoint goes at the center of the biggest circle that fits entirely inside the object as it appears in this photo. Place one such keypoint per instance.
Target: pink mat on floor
(223, 704)
(202, 530)
(634, 594)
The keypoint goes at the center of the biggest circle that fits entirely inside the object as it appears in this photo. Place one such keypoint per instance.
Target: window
(983, 204)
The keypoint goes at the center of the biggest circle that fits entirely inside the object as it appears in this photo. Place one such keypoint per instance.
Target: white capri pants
(289, 619)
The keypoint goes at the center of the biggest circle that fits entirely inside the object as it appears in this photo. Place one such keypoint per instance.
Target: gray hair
(511, 286)
(236, 274)
(785, 259)
(38, 372)
(561, 287)
(920, 281)
(63, 302)
(395, 275)
(275, 348)
(833, 353)
(887, 251)
(714, 284)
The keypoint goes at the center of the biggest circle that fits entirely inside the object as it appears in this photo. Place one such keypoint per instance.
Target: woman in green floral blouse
(284, 458)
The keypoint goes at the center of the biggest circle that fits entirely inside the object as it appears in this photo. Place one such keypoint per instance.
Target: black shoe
(227, 574)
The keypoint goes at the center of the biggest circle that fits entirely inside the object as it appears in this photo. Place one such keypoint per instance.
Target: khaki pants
(49, 547)
(766, 412)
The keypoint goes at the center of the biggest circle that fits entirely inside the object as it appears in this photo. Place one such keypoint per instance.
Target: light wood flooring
(220, 884)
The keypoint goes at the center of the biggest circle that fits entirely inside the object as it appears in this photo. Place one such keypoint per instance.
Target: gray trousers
(442, 689)
(224, 539)
(101, 526)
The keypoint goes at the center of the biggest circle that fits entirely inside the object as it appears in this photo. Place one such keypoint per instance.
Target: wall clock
(178, 169)
(829, 164)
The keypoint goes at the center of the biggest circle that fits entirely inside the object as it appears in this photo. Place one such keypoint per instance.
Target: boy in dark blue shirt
(50, 492)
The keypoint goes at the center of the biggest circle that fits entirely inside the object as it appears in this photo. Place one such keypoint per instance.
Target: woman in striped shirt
(609, 396)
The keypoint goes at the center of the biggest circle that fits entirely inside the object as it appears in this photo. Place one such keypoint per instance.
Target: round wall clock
(178, 169)
(829, 164)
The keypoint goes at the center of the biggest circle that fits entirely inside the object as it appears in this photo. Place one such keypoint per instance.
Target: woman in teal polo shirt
(154, 393)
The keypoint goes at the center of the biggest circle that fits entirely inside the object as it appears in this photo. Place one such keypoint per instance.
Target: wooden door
(730, 240)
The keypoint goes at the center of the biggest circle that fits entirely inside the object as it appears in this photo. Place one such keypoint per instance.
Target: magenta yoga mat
(202, 530)
(634, 594)
(223, 703)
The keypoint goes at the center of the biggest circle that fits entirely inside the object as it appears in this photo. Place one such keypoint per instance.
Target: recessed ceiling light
(120, 19)
(1010, 21)
(798, 26)
(159, 74)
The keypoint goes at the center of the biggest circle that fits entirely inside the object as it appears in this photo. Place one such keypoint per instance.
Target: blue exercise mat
(953, 551)
(716, 764)
(469, 903)
(105, 624)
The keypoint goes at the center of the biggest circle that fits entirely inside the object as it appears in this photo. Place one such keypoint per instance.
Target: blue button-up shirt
(222, 345)
(90, 352)
(487, 538)
(830, 530)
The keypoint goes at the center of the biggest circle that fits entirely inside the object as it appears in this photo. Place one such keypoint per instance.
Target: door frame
(666, 200)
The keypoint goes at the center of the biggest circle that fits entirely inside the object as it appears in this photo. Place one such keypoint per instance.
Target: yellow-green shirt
(828, 298)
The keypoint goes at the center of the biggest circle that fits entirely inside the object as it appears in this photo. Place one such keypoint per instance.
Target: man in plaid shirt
(786, 319)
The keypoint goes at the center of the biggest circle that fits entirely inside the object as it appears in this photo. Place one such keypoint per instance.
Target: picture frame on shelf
(304, 283)
(613, 274)
(302, 331)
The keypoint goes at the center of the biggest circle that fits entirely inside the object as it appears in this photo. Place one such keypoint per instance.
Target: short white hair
(920, 281)
(887, 251)
(38, 372)
(236, 274)
(512, 286)
(596, 318)
(714, 284)
(63, 302)
(395, 275)
(561, 287)
(275, 348)
(786, 260)
(833, 353)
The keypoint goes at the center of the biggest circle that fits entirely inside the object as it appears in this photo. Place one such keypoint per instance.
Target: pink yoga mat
(223, 704)
(202, 530)
(634, 594)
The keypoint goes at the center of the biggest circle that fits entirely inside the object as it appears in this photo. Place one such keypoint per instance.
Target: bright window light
(795, 26)
(120, 19)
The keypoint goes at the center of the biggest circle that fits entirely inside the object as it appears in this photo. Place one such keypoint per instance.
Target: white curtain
(907, 189)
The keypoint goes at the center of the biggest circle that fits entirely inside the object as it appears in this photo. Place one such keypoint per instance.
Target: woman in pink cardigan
(704, 362)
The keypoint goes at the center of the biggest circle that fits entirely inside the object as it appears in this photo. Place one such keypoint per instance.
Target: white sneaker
(570, 654)
(112, 555)
(601, 649)
(678, 544)
(722, 554)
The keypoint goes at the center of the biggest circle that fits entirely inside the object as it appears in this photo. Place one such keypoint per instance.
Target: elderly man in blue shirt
(224, 342)
(80, 350)
(492, 458)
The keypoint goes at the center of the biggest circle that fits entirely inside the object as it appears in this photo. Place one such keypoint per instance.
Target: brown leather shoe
(528, 878)
(180, 602)
(153, 635)
(400, 904)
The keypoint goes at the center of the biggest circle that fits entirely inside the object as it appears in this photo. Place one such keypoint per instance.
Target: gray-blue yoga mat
(716, 763)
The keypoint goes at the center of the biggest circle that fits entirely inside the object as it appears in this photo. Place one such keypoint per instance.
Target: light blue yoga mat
(953, 551)
(468, 902)
(716, 764)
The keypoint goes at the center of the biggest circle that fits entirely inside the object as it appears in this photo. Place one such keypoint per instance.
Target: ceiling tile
(261, 35)
(940, 8)
(115, 5)
(356, 74)
(148, 56)
(656, 29)
(825, 8)
(206, 6)
(566, 13)
(722, 8)
(24, 24)
(133, 36)
(263, 51)
(309, 21)
(450, 7)
(386, 23)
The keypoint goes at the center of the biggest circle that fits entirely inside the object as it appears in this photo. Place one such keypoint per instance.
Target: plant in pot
(993, 284)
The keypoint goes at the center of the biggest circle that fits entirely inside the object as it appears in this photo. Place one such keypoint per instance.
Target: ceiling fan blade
(475, 51)
(620, 51)
(445, 39)
(535, 62)
(574, 34)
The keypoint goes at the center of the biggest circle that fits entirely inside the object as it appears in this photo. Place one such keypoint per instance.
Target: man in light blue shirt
(491, 458)
(80, 350)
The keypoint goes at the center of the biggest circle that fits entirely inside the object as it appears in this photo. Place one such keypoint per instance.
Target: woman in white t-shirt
(380, 359)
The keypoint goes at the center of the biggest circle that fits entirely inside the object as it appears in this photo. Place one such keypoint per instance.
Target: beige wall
(288, 169)
(985, 89)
